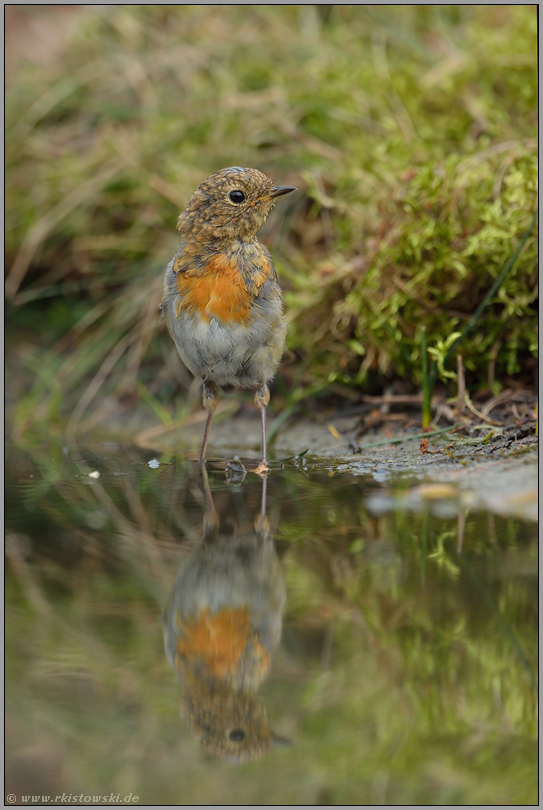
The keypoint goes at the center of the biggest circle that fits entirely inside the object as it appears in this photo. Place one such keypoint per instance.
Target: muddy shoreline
(493, 470)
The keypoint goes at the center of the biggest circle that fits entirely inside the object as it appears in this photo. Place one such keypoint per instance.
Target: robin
(222, 624)
(222, 300)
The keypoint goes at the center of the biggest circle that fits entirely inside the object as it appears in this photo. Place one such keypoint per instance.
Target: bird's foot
(262, 470)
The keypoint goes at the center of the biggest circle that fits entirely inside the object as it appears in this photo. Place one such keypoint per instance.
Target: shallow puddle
(316, 638)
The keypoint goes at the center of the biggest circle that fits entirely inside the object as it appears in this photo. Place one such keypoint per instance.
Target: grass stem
(426, 392)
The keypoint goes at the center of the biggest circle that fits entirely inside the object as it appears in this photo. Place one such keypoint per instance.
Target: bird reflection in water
(222, 624)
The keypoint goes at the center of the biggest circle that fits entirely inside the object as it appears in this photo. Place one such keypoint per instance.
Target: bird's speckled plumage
(222, 300)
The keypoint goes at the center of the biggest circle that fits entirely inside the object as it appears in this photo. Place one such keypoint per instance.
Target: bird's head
(231, 204)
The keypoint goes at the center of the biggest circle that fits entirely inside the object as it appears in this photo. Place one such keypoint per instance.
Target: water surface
(182, 640)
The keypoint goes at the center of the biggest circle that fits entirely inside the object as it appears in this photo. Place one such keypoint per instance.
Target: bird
(222, 624)
(222, 301)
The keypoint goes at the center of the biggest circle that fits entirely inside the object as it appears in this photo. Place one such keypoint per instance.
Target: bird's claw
(262, 470)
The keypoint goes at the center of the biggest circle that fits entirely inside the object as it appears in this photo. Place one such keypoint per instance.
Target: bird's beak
(278, 191)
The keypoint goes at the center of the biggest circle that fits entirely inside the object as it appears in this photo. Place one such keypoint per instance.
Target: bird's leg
(211, 518)
(262, 524)
(262, 398)
(210, 400)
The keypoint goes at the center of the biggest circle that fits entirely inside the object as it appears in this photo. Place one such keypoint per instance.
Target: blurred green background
(410, 130)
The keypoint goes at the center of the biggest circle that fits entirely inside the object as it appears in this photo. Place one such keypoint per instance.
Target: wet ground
(490, 466)
(351, 631)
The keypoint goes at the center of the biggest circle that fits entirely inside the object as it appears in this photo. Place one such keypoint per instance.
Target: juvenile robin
(222, 300)
(222, 624)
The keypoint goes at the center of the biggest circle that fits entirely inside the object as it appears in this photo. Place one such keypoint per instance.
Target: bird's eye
(237, 197)
(236, 735)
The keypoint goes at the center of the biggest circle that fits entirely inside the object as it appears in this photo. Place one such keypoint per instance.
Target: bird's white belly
(230, 354)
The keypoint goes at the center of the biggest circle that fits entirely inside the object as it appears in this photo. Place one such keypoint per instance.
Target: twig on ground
(477, 413)
(414, 437)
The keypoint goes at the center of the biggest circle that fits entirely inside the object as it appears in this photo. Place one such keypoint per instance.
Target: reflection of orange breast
(220, 291)
(220, 640)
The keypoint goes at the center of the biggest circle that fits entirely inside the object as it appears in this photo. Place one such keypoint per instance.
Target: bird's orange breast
(219, 291)
(219, 640)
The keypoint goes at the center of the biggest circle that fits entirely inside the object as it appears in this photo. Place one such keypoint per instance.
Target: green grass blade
(426, 391)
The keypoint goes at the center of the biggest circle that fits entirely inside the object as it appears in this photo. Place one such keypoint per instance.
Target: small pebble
(94, 474)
